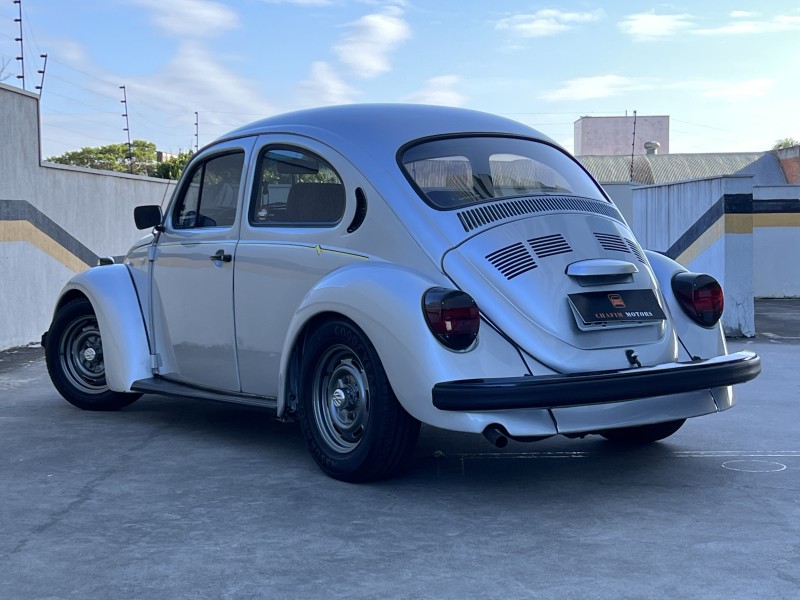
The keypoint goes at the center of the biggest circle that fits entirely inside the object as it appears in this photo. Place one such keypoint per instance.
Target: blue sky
(726, 72)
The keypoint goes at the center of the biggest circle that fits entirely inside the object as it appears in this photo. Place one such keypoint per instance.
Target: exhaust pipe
(496, 436)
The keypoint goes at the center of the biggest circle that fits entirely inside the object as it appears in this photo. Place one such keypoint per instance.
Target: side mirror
(147, 217)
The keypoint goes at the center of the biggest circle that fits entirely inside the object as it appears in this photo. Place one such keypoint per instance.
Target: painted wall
(696, 223)
(54, 220)
(776, 241)
(615, 135)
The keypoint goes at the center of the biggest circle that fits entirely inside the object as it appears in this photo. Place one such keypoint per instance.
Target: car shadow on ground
(440, 456)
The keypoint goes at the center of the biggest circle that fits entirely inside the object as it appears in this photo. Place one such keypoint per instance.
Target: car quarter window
(294, 187)
(211, 197)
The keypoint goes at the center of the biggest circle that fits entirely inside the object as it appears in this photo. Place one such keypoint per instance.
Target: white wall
(614, 135)
(663, 214)
(776, 243)
(89, 208)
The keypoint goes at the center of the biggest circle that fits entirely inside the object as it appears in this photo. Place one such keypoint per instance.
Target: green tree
(113, 157)
(173, 167)
(785, 143)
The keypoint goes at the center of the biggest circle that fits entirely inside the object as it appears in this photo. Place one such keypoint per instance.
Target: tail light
(700, 297)
(452, 316)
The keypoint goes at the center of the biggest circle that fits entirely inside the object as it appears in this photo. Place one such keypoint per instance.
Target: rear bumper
(582, 389)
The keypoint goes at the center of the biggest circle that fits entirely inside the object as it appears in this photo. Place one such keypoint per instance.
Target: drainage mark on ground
(746, 461)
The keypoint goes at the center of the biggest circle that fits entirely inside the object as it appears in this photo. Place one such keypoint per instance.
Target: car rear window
(457, 172)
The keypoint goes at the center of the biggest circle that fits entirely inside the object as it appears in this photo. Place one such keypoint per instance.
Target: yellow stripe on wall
(24, 231)
(739, 223)
(776, 220)
(703, 243)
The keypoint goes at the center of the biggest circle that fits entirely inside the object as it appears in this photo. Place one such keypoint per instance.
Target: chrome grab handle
(599, 267)
(220, 255)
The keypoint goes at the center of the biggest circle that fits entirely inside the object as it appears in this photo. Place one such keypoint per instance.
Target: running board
(165, 387)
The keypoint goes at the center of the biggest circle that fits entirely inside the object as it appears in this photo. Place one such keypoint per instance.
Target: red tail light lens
(700, 297)
(452, 316)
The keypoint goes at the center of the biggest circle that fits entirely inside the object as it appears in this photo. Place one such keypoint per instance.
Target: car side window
(296, 188)
(211, 197)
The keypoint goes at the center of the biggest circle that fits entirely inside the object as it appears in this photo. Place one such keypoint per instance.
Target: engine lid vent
(612, 242)
(512, 261)
(550, 245)
(489, 212)
(636, 250)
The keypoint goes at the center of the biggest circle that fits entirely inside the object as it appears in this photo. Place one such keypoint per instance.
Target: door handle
(220, 255)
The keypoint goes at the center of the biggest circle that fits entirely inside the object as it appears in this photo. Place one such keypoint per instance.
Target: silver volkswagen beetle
(366, 268)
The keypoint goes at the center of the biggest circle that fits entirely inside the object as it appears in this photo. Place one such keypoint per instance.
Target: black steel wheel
(355, 428)
(643, 434)
(74, 354)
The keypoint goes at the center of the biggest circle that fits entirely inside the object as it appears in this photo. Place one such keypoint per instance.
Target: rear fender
(385, 301)
(702, 342)
(126, 351)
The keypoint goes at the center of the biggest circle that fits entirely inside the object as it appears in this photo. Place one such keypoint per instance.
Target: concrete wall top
(776, 192)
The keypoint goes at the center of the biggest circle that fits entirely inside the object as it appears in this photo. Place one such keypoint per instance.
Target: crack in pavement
(87, 490)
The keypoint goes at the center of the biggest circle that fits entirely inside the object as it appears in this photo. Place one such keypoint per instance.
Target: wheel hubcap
(81, 353)
(341, 399)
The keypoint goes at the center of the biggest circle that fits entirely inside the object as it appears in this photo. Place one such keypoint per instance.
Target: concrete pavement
(171, 498)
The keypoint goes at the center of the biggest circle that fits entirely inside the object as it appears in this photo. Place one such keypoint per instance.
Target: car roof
(384, 125)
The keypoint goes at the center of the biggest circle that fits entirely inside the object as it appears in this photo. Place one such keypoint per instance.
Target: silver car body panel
(126, 351)
(246, 316)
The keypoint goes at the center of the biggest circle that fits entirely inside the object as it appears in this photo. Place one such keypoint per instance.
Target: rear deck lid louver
(490, 212)
(512, 260)
(550, 245)
(637, 251)
(612, 242)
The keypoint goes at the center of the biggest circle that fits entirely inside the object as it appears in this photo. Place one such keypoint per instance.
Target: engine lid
(574, 290)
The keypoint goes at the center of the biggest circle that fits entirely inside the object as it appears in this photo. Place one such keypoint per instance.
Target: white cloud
(774, 25)
(439, 90)
(301, 2)
(743, 14)
(68, 51)
(192, 18)
(366, 47)
(601, 86)
(643, 27)
(737, 90)
(194, 81)
(324, 86)
(606, 86)
(546, 22)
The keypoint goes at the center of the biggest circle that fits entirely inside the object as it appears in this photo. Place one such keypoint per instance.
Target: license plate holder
(615, 308)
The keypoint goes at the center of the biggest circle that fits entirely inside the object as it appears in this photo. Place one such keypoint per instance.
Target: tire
(644, 434)
(74, 354)
(355, 428)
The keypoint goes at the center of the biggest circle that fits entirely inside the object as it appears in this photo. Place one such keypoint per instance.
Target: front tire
(74, 354)
(644, 434)
(355, 428)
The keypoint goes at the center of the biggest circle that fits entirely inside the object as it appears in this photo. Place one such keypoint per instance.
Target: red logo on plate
(616, 301)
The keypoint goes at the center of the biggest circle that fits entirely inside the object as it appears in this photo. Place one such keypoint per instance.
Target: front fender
(385, 301)
(702, 342)
(126, 351)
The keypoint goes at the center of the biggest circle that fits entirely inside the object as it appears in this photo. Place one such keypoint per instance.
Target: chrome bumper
(581, 389)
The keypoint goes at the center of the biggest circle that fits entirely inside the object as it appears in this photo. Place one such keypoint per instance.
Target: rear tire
(74, 354)
(644, 434)
(355, 428)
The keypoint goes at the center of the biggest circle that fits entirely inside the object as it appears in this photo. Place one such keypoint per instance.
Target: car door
(291, 238)
(193, 272)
